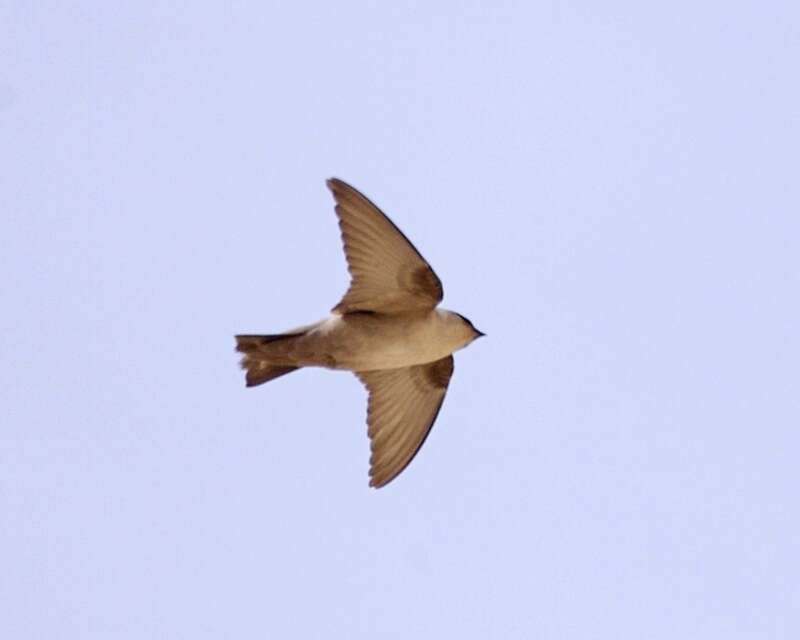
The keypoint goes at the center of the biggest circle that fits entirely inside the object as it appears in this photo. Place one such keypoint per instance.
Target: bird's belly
(366, 344)
(392, 355)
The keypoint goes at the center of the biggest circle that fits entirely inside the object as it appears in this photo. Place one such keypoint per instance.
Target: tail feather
(256, 363)
(261, 372)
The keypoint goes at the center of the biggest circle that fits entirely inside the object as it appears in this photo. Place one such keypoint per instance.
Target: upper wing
(403, 405)
(388, 275)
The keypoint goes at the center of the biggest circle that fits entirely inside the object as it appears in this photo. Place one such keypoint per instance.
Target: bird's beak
(479, 334)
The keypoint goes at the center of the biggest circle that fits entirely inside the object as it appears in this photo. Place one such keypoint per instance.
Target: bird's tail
(258, 360)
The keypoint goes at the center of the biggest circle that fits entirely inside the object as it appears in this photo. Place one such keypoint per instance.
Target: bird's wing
(403, 405)
(388, 275)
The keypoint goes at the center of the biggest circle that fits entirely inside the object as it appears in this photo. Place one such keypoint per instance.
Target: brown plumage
(386, 329)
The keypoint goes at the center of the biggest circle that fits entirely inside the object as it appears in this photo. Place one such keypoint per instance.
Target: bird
(387, 329)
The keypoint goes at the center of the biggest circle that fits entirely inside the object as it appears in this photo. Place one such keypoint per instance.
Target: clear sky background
(608, 190)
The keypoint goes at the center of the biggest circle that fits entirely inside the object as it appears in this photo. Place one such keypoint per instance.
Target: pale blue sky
(608, 190)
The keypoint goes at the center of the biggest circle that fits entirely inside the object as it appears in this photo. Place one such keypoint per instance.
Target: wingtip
(375, 481)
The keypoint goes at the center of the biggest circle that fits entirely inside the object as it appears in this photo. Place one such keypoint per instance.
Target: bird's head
(465, 330)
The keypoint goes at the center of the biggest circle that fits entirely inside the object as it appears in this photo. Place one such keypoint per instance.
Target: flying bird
(387, 329)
